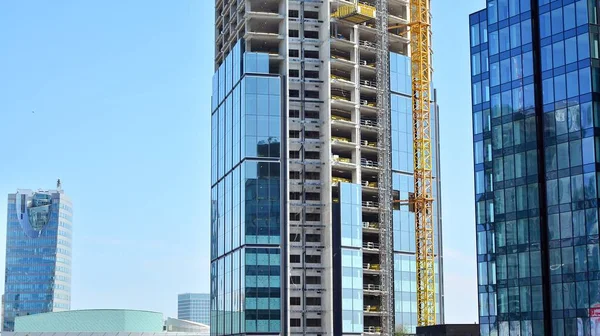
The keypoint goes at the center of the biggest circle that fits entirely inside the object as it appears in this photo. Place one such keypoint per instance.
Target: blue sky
(113, 97)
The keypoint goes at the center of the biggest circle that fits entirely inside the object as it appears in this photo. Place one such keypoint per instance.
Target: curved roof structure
(92, 320)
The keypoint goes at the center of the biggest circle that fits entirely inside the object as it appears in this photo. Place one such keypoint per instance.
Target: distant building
(38, 254)
(194, 307)
(118, 322)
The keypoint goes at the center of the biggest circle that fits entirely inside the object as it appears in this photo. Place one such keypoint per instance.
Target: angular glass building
(38, 254)
(535, 85)
(295, 231)
(194, 307)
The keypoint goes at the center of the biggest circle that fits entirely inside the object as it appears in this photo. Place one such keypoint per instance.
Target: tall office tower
(535, 73)
(38, 254)
(297, 241)
(194, 307)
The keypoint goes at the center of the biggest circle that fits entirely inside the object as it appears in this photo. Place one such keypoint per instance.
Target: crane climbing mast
(420, 29)
(386, 228)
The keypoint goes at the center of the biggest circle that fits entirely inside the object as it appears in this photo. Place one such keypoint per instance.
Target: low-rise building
(194, 307)
(97, 322)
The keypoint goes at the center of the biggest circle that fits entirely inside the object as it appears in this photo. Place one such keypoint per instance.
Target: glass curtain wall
(352, 257)
(534, 112)
(405, 288)
(246, 206)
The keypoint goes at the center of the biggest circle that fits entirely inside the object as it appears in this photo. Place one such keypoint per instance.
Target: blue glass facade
(352, 258)
(194, 307)
(534, 67)
(38, 254)
(246, 193)
(405, 289)
(401, 112)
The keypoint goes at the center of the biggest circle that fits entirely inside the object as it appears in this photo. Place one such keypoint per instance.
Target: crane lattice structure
(420, 42)
(422, 200)
(386, 226)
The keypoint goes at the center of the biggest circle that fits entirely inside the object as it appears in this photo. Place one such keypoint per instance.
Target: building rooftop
(105, 321)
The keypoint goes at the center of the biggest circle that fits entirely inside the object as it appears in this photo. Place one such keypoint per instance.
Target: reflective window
(493, 43)
(557, 20)
(504, 39)
(256, 63)
(401, 113)
(405, 290)
(352, 290)
(558, 54)
(495, 74)
(513, 6)
(351, 214)
(262, 290)
(526, 31)
(581, 12)
(261, 115)
(503, 12)
(545, 25)
(476, 64)
(475, 35)
(401, 73)
(515, 35)
(403, 218)
(492, 11)
(517, 68)
(583, 46)
(569, 16)
(571, 46)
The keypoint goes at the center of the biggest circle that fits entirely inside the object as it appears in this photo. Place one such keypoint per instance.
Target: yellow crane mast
(420, 29)
(422, 201)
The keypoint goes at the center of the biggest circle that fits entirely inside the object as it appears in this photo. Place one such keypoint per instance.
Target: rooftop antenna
(58, 184)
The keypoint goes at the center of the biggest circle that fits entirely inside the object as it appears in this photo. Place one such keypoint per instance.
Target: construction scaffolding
(386, 228)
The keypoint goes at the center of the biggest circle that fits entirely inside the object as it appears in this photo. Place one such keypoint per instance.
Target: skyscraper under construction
(312, 142)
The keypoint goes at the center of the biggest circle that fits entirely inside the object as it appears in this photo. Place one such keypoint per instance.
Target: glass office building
(194, 307)
(535, 85)
(38, 254)
(295, 229)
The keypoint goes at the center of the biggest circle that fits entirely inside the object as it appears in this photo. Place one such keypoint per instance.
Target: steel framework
(423, 198)
(386, 228)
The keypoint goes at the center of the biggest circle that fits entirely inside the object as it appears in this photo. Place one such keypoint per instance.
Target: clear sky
(113, 97)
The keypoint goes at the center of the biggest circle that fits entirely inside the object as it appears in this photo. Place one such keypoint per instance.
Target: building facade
(295, 229)
(194, 307)
(38, 254)
(534, 67)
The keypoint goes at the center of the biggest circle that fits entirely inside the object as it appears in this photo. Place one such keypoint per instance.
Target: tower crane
(422, 200)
